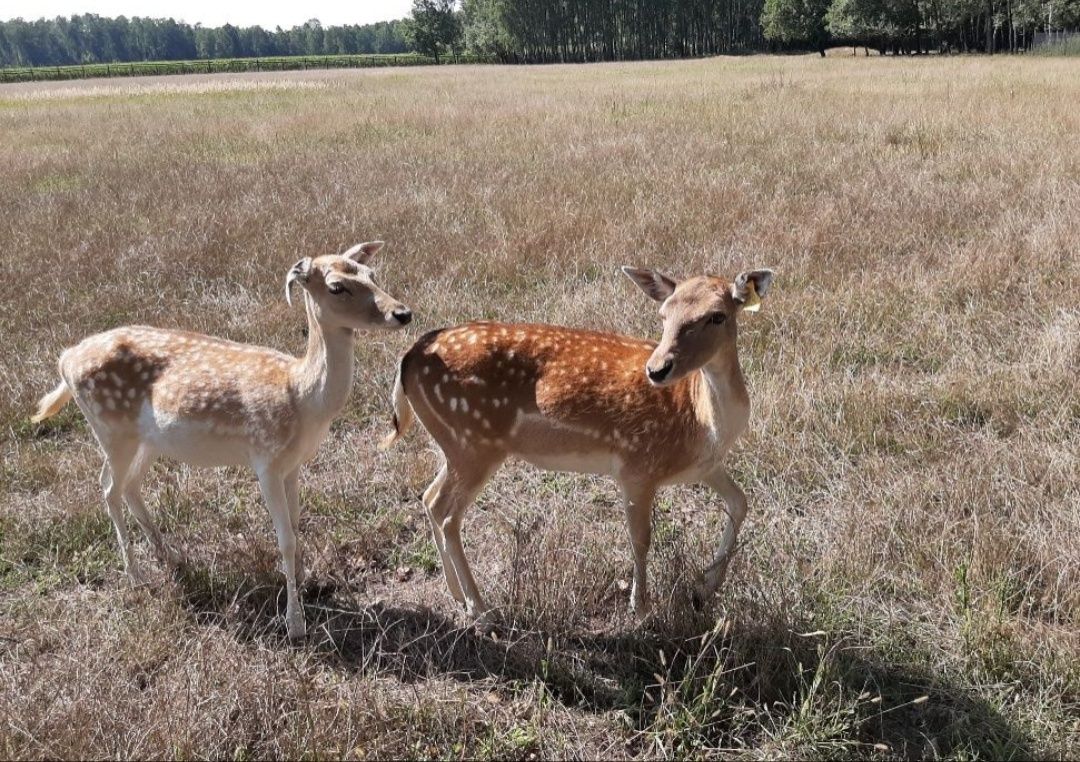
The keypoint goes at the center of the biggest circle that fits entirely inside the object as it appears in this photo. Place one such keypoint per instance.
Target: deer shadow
(761, 664)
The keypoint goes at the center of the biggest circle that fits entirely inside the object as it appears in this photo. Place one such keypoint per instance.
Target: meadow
(907, 582)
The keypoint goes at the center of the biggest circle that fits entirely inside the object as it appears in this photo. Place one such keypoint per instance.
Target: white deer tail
(52, 402)
(404, 418)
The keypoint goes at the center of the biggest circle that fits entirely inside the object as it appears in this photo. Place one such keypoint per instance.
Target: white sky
(217, 12)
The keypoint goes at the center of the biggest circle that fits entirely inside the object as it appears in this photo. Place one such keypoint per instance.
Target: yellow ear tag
(753, 301)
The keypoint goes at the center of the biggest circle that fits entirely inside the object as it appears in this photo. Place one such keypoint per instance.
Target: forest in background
(89, 38)
(542, 31)
(590, 30)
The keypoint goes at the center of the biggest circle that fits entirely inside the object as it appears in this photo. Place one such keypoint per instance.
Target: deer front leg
(637, 505)
(277, 503)
(735, 508)
(292, 494)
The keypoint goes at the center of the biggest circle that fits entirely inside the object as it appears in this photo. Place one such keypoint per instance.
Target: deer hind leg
(447, 510)
(133, 497)
(637, 505)
(272, 485)
(430, 494)
(114, 474)
(735, 508)
(292, 494)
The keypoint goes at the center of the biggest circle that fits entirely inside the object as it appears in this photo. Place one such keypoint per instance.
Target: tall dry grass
(907, 581)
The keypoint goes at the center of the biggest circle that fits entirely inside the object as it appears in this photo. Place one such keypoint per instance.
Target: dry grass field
(908, 579)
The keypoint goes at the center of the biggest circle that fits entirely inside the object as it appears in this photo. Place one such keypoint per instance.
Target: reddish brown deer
(148, 392)
(570, 400)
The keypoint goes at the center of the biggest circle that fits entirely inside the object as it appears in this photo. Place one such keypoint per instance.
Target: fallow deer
(149, 392)
(571, 400)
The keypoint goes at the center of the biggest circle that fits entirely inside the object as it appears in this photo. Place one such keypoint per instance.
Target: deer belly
(195, 442)
(558, 446)
(597, 462)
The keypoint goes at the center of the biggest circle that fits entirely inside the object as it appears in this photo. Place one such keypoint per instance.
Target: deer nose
(656, 375)
(403, 315)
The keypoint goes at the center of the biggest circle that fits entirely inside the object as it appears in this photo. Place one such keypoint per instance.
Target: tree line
(95, 39)
(917, 26)
(607, 30)
(540, 31)
(590, 30)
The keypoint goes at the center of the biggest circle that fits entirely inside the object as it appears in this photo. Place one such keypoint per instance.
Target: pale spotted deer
(570, 400)
(149, 392)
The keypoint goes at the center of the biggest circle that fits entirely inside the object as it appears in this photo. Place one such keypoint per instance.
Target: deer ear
(656, 285)
(750, 288)
(301, 271)
(362, 252)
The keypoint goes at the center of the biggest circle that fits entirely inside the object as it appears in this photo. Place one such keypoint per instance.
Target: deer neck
(719, 394)
(323, 378)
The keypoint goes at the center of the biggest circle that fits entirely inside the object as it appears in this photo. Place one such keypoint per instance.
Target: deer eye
(717, 318)
(336, 288)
